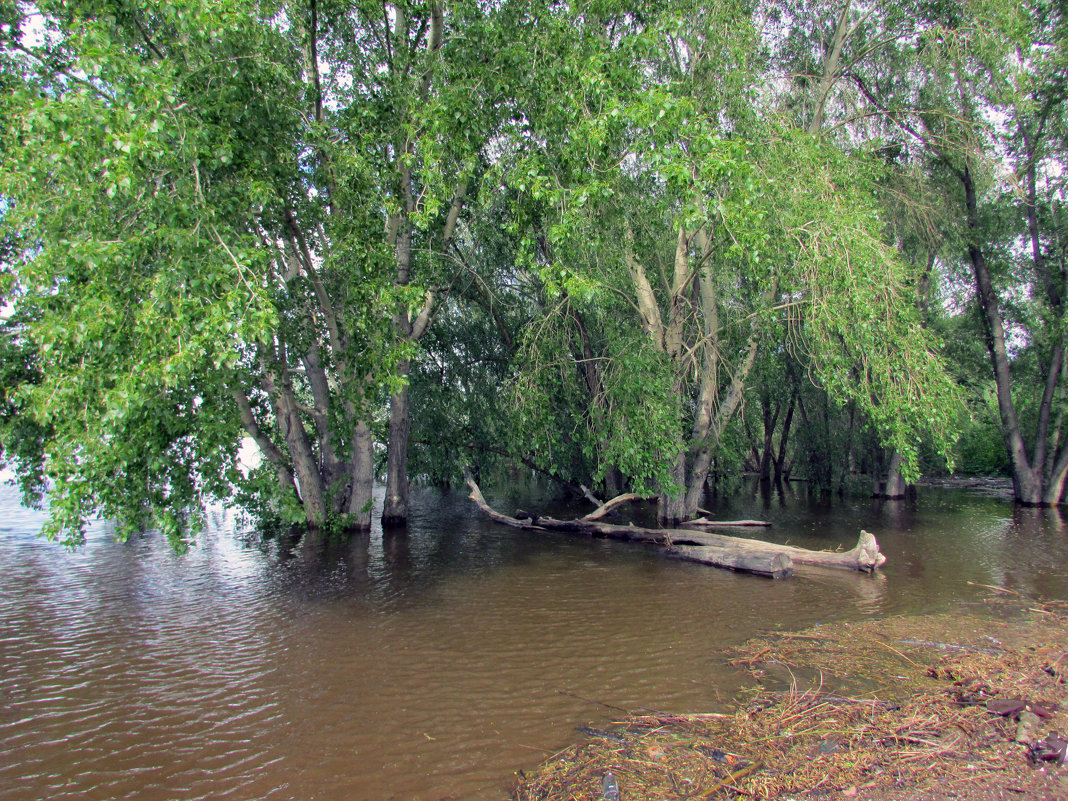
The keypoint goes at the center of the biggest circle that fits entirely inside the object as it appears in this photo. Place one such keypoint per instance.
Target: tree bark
(782, 472)
(306, 469)
(830, 69)
(395, 510)
(363, 467)
(767, 456)
(671, 508)
(606, 507)
(893, 488)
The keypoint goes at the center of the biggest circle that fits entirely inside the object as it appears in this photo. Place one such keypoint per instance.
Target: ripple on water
(415, 666)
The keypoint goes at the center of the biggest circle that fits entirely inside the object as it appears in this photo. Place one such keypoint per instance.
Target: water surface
(425, 665)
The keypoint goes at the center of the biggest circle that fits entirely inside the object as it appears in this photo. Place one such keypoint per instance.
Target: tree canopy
(576, 236)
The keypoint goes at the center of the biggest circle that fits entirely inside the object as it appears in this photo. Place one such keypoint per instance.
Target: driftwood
(608, 506)
(589, 496)
(704, 521)
(746, 556)
(736, 553)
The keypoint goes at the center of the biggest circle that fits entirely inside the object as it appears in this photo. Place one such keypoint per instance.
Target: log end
(869, 557)
(782, 566)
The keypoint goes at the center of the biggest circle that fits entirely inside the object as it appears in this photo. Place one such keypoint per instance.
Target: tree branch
(336, 342)
(313, 59)
(249, 423)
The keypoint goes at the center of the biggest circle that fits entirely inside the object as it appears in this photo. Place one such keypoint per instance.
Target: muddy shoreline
(905, 708)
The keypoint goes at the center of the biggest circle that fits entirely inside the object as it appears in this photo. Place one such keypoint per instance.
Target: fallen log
(704, 521)
(864, 557)
(771, 565)
(744, 556)
(735, 553)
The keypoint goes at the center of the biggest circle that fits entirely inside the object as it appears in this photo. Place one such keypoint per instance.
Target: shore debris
(922, 716)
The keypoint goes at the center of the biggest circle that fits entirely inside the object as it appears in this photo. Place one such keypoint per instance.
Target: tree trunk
(363, 468)
(671, 508)
(395, 510)
(1054, 291)
(613, 482)
(782, 472)
(1054, 488)
(893, 488)
(306, 469)
(702, 460)
(767, 456)
(1026, 483)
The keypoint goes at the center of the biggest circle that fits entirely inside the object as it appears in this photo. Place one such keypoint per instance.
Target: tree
(218, 210)
(242, 219)
(983, 110)
(676, 187)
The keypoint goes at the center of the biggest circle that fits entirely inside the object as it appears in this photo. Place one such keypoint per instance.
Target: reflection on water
(425, 664)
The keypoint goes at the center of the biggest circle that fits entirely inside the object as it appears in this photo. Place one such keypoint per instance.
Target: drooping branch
(252, 427)
(485, 299)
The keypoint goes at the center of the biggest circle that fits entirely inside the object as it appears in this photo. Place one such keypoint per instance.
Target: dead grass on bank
(917, 714)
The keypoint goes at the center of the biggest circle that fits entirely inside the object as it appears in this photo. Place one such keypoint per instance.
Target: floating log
(704, 521)
(735, 553)
(864, 557)
(771, 565)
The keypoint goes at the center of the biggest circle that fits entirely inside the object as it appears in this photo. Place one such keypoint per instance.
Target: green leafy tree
(983, 112)
(675, 186)
(228, 220)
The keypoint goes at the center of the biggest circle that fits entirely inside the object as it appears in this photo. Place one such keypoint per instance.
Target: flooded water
(422, 666)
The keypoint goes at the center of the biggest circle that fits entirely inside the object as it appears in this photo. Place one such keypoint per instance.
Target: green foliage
(980, 451)
(22, 439)
(862, 323)
(630, 424)
(138, 279)
(226, 218)
(795, 248)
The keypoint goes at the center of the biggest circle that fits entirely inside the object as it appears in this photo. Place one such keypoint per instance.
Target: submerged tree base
(905, 709)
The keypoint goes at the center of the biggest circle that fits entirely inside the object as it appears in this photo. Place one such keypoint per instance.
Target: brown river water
(429, 665)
